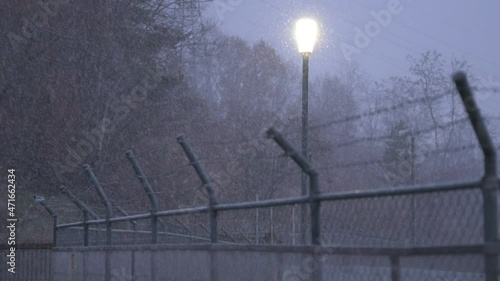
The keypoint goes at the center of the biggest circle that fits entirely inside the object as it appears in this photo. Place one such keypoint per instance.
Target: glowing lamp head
(306, 34)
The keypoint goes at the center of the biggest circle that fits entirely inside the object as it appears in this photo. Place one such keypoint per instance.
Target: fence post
(54, 235)
(490, 184)
(149, 192)
(105, 201)
(307, 168)
(257, 221)
(395, 268)
(85, 228)
(207, 182)
(271, 225)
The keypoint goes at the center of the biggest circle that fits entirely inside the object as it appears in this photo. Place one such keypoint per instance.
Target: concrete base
(243, 263)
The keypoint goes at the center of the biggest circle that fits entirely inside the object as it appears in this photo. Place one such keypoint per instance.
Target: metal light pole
(305, 125)
(306, 33)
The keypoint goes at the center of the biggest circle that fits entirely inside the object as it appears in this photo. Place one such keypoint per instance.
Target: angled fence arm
(207, 182)
(477, 121)
(183, 225)
(228, 235)
(79, 203)
(133, 222)
(149, 192)
(84, 208)
(307, 168)
(124, 213)
(490, 181)
(204, 228)
(54, 217)
(48, 209)
(105, 201)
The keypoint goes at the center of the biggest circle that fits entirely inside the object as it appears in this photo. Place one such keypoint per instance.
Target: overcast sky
(459, 28)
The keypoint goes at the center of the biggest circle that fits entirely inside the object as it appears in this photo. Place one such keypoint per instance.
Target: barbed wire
(407, 134)
(238, 141)
(170, 172)
(381, 162)
(486, 89)
(489, 118)
(111, 162)
(451, 150)
(340, 145)
(328, 167)
(229, 159)
(162, 175)
(378, 111)
(163, 192)
(203, 161)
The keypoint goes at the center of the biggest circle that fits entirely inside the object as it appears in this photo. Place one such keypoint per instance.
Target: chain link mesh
(431, 219)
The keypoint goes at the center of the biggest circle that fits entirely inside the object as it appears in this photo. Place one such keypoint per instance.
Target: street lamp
(306, 34)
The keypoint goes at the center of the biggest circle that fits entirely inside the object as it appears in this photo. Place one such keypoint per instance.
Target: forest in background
(83, 82)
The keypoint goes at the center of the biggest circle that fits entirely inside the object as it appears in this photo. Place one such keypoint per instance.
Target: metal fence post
(85, 229)
(54, 235)
(307, 168)
(207, 182)
(257, 221)
(105, 201)
(149, 192)
(395, 268)
(490, 183)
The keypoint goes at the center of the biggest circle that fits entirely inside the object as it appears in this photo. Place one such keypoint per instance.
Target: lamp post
(306, 33)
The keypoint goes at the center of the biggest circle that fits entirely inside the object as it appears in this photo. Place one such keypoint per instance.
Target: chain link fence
(419, 220)
(425, 232)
